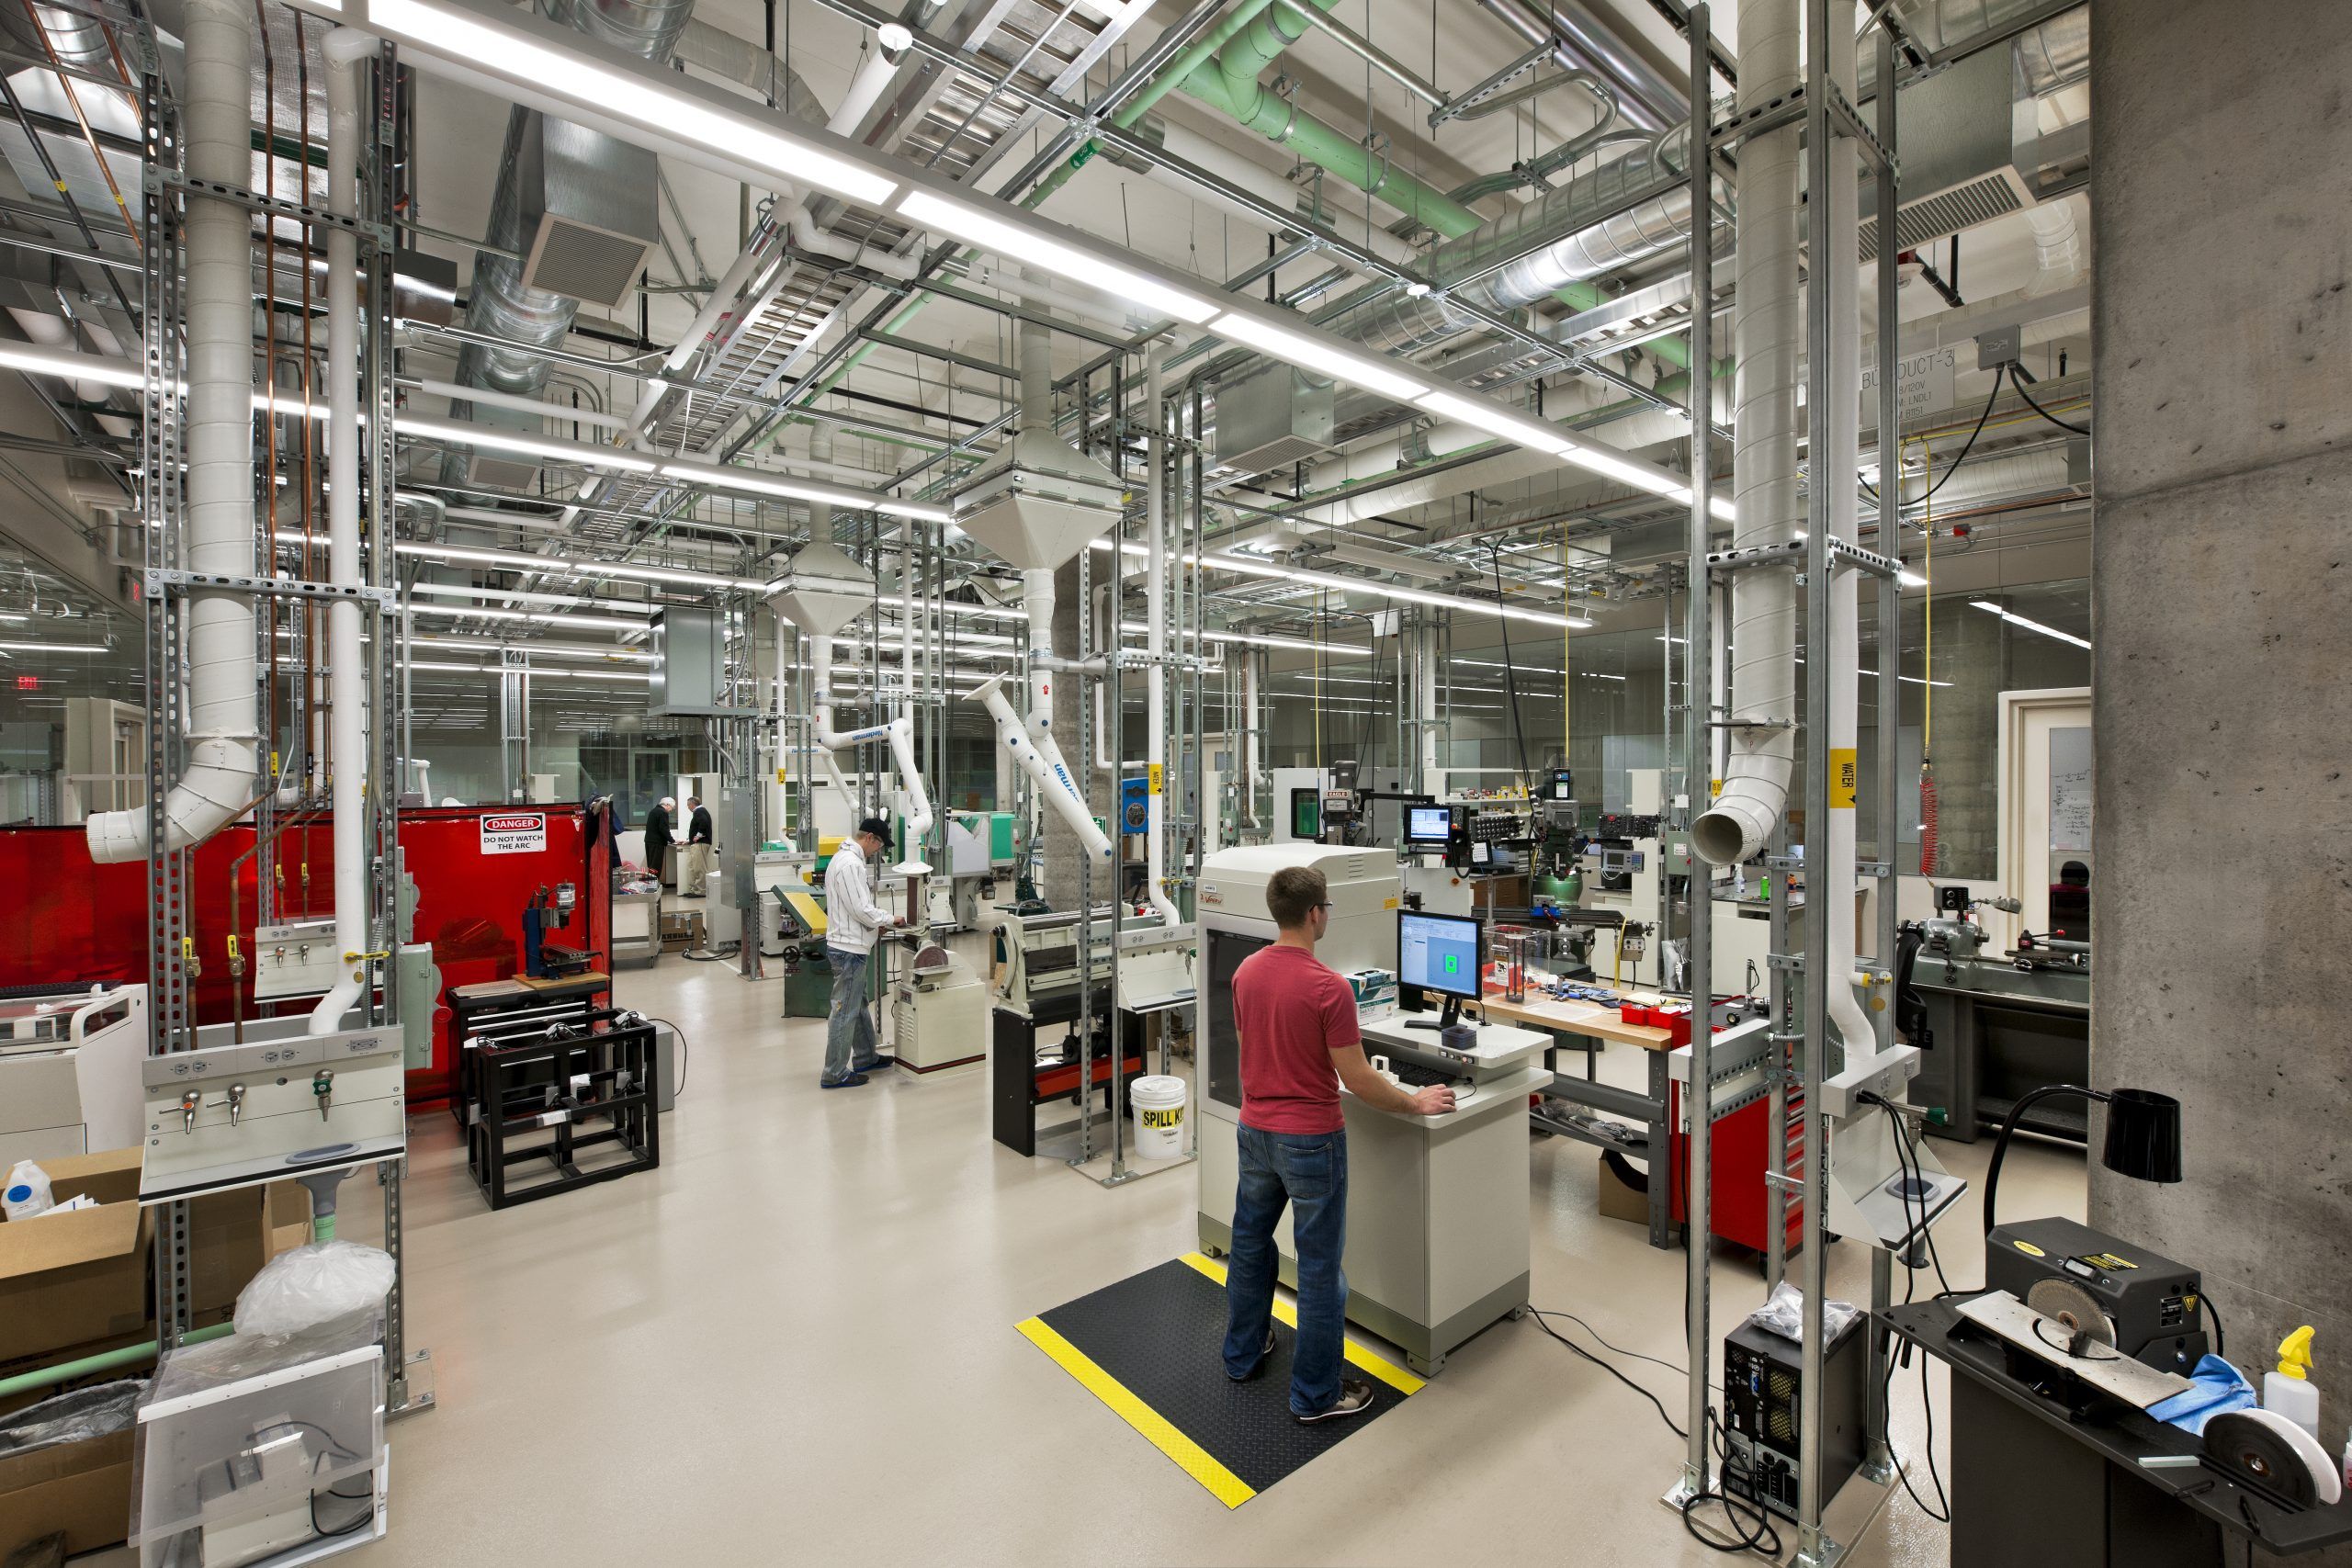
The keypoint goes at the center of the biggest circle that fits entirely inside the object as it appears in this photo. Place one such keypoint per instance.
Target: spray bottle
(2288, 1390)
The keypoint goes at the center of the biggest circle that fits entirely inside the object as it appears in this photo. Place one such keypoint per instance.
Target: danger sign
(514, 833)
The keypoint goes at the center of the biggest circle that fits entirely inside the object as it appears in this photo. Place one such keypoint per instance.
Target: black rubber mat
(1159, 1337)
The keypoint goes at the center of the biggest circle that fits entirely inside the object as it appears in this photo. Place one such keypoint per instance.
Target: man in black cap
(851, 918)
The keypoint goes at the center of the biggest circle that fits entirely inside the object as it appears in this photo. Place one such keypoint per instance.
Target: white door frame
(2016, 707)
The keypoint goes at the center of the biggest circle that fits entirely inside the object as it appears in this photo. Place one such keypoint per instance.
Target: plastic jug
(26, 1193)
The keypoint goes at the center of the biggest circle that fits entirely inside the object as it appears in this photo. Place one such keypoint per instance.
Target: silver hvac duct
(1563, 246)
(501, 304)
(1580, 39)
(223, 708)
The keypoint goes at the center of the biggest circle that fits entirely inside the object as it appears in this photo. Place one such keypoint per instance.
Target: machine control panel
(296, 959)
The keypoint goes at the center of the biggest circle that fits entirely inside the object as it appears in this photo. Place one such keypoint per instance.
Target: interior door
(2046, 767)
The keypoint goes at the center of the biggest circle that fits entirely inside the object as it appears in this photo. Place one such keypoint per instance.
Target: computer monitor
(1429, 827)
(1445, 954)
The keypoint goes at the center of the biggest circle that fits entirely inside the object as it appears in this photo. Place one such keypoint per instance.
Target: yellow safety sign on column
(1842, 780)
(1156, 769)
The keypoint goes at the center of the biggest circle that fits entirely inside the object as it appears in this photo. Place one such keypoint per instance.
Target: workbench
(1651, 1110)
(1996, 1034)
(2033, 1481)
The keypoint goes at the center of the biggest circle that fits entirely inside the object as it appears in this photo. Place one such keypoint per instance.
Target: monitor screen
(1429, 824)
(1439, 953)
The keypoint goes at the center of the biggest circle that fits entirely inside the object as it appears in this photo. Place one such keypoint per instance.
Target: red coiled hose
(1926, 820)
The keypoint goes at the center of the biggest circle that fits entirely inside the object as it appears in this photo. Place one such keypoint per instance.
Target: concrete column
(2222, 158)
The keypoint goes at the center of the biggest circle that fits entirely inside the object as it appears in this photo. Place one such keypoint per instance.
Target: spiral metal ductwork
(501, 304)
(1579, 251)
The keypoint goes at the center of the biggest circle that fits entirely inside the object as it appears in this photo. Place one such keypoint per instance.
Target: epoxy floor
(794, 1344)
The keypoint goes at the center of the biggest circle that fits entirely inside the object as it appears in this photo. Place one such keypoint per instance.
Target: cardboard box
(69, 1277)
(231, 1235)
(1624, 1191)
(81, 1489)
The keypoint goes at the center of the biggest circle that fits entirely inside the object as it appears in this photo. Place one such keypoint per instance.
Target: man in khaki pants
(694, 867)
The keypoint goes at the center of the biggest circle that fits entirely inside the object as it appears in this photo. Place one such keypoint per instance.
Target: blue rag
(2214, 1387)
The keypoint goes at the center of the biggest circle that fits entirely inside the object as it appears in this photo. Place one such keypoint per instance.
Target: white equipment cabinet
(939, 1013)
(69, 1072)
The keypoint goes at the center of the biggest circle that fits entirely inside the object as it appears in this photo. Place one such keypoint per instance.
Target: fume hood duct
(1039, 500)
(822, 590)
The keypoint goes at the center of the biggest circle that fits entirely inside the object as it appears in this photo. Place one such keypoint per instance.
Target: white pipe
(1768, 331)
(1248, 813)
(347, 49)
(1155, 839)
(1840, 433)
(898, 735)
(223, 717)
(919, 816)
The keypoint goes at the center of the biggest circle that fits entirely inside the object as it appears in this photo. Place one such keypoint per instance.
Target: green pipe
(104, 1362)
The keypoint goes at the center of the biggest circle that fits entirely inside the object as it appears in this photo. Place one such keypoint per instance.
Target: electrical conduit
(223, 719)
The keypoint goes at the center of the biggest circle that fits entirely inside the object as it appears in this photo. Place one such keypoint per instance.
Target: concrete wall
(2223, 603)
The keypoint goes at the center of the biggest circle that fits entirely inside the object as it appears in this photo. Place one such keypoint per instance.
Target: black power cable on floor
(2019, 382)
(1540, 1323)
(1913, 1179)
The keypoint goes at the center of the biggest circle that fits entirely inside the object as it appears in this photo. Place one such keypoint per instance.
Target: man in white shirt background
(852, 918)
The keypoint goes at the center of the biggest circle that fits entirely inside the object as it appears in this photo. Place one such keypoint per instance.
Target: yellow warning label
(2029, 1249)
(1842, 778)
(1391, 903)
(1714, 789)
(1157, 770)
(779, 776)
(1165, 1121)
(2108, 1260)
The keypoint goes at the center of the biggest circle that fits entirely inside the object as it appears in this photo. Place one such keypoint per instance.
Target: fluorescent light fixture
(72, 367)
(466, 434)
(2017, 620)
(1410, 595)
(469, 39)
(1910, 578)
(896, 36)
(1022, 242)
(531, 617)
(1482, 415)
(1311, 353)
(53, 647)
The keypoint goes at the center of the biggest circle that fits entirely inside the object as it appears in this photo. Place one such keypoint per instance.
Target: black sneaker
(1254, 1373)
(1355, 1398)
(850, 1082)
(875, 1065)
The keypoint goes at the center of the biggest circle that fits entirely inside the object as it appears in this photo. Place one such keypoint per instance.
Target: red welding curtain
(75, 920)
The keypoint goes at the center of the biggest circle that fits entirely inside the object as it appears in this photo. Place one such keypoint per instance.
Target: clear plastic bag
(73, 1417)
(1784, 1314)
(298, 1290)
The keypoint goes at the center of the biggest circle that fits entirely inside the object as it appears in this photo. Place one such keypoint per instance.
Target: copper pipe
(309, 423)
(270, 377)
(89, 137)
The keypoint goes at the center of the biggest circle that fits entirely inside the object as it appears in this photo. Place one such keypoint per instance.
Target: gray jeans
(850, 1044)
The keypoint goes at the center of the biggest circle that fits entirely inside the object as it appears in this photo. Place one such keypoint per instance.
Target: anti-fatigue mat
(1151, 1348)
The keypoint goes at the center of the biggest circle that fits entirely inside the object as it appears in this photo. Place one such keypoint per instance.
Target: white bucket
(1159, 1102)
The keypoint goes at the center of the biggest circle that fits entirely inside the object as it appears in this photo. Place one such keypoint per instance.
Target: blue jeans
(849, 1029)
(1309, 1171)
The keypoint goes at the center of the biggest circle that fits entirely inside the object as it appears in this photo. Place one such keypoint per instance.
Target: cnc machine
(1438, 1209)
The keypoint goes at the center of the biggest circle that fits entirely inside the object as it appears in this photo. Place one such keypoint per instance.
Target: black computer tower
(1763, 1387)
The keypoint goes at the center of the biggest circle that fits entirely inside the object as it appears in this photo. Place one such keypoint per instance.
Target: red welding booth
(476, 869)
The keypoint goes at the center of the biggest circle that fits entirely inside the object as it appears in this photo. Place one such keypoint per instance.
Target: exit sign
(29, 683)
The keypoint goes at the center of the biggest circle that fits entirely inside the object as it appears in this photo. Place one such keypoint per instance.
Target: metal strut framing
(172, 962)
(1798, 1150)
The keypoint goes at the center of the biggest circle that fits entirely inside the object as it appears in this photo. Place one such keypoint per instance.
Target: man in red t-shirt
(1296, 1018)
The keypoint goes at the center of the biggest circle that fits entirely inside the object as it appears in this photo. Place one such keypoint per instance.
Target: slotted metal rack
(173, 960)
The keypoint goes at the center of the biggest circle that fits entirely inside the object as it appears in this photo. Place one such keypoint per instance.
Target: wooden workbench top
(1578, 1018)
